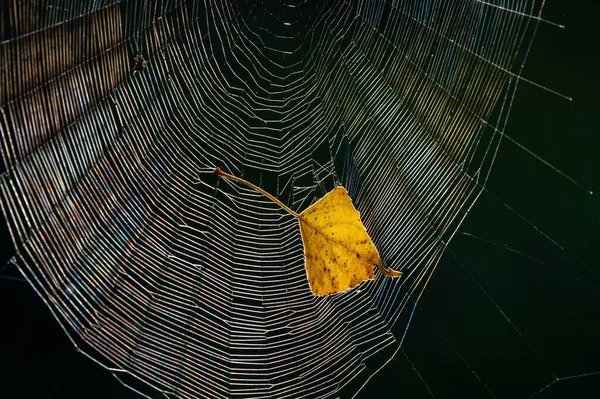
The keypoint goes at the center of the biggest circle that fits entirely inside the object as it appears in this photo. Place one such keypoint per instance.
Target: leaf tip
(394, 273)
(388, 272)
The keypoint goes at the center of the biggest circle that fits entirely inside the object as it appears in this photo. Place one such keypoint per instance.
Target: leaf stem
(219, 172)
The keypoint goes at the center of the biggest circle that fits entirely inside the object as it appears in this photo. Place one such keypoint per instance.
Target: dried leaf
(338, 251)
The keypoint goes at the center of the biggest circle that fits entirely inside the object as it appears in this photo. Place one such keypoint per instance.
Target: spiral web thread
(195, 286)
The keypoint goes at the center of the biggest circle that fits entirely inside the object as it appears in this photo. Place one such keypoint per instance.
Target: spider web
(183, 285)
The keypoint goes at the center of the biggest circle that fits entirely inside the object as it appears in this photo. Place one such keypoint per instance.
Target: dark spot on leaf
(358, 255)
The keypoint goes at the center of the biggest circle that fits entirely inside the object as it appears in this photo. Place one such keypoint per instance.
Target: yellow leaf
(339, 254)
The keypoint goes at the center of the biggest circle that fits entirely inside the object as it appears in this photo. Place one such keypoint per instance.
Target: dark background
(506, 310)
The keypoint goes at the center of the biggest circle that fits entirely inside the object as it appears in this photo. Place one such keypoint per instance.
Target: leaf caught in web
(338, 252)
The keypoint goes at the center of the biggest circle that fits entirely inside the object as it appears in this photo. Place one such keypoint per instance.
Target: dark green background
(504, 302)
